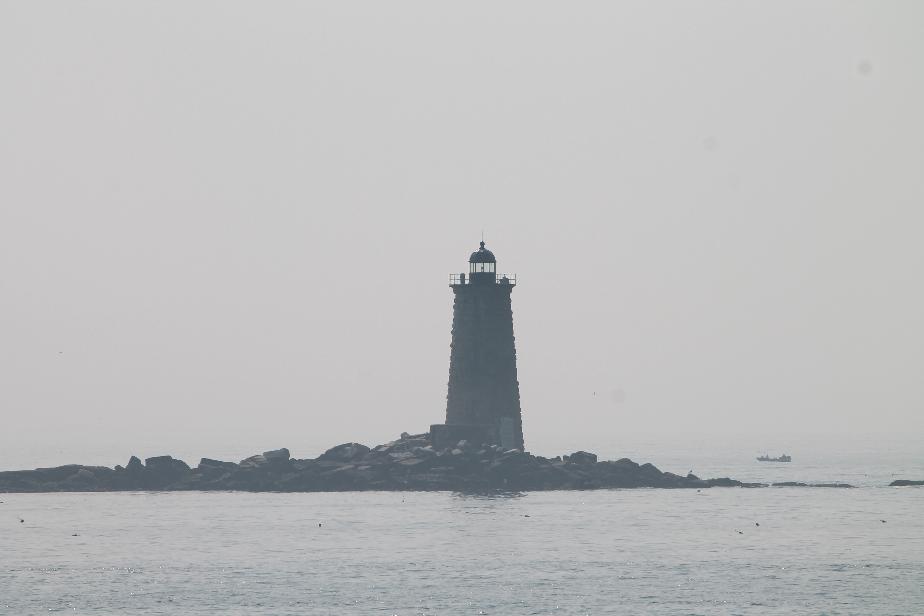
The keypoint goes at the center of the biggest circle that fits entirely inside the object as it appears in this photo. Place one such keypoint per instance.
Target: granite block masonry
(483, 399)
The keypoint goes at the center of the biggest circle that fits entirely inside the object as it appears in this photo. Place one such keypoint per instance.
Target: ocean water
(815, 551)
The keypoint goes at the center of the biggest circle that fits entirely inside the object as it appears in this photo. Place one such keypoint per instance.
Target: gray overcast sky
(234, 221)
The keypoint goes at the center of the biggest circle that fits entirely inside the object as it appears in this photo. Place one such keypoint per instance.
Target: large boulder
(581, 457)
(407, 442)
(800, 484)
(210, 464)
(211, 473)
(253, 461)
(134, 466)
(277, 454)
(345, 452)
(166, 465)
(624, 464)
(159, 472)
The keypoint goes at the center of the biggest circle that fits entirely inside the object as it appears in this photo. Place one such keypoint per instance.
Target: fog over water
(228, 226)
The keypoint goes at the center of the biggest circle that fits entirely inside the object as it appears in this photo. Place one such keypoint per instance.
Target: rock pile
(905, 482)
(408, 463)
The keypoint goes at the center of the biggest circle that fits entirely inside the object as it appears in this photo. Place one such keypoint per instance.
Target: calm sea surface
(816, 551)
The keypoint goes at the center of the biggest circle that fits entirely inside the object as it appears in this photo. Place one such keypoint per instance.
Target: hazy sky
(233, 222)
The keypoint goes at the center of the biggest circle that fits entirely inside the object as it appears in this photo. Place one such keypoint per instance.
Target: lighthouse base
(448, 435)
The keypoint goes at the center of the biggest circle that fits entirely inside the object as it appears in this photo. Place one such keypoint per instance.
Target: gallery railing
(462, 279)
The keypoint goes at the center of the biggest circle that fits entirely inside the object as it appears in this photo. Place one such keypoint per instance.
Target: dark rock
(277, 454)
(446, 436)
(409, 463)
(906, 482)
(398, 456)
(165, 464)
(82, 479)
(799, 484)
(211, 474)
(216, 464)
(162, 471)
(424, 452)
(581, 457)
(345, 452)
(134, 465)
(722, 482)
(252, 461)
(401, 445)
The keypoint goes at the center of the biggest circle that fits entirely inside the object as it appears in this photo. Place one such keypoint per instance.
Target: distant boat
(767, 458)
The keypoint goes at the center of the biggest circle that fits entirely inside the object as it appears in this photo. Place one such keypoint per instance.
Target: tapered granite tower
(483, 403)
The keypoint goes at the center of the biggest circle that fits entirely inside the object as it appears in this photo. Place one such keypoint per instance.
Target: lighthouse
(483, 399)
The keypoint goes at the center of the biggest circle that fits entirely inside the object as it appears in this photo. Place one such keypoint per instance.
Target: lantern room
(482, 265)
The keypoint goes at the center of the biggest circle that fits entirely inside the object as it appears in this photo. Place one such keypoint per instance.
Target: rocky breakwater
(900, 483)
(409, 463)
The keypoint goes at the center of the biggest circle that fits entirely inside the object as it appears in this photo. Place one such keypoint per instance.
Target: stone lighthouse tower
(483, 403)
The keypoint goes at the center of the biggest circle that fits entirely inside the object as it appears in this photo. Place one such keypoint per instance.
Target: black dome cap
(482, 255)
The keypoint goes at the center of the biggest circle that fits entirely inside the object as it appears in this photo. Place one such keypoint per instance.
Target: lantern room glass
(480, 268)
